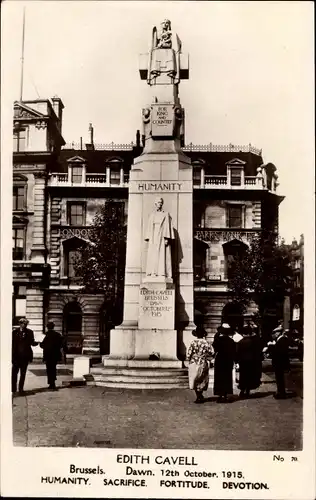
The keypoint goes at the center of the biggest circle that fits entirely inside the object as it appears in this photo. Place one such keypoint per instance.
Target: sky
(251, 76)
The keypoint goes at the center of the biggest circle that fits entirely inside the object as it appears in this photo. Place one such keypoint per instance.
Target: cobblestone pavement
(124, 418)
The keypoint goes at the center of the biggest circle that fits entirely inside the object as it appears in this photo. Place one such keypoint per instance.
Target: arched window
(72, 252)
(72, 327)
(115, 171)
(232, 249)
(296, 313)
(197, 172)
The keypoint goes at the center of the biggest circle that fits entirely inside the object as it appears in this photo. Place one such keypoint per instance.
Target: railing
(90, 180)
(215, 180)
(222, 148)
(206, 182)
(214, 148)
(251, 181)
(96, 179)
(61, 177)
(112, 146)
(224, 182)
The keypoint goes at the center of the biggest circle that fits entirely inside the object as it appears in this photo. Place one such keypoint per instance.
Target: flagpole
(22, 56)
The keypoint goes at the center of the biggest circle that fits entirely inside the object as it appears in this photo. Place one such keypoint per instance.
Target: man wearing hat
(51, 345)
(22, 354)
(279, 351)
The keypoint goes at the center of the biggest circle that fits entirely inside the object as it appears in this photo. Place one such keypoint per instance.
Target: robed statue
(159, 235)
(164, 54)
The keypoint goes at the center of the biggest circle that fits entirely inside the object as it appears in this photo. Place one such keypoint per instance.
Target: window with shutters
(235, 176)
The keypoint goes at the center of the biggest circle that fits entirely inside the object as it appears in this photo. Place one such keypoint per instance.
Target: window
(199, 259)
(18, 244)
(235, 176)
(233, 250)
(196, 177)
(18, 197)
(126, 177)
(73, 256)
(19, 140)
(76, 214)
(76, 175)
(114, 176)
(18, 303)
(235, 216)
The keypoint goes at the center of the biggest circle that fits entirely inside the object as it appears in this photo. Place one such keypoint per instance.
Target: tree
(100, 264)
(262, 273)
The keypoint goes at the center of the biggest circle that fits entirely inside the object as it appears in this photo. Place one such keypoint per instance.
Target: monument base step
(141, 363)
(139, 378)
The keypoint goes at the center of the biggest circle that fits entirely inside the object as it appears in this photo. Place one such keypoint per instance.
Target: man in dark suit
(279, 350)
(22, 354)
(52, 345)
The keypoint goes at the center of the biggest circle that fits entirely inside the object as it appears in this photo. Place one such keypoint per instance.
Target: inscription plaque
(162, 121)
(156, 307)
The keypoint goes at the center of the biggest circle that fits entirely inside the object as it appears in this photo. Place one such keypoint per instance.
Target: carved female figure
(159, 235)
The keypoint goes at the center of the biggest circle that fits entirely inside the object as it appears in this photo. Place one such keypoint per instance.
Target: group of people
(241, 349)
(22, 353)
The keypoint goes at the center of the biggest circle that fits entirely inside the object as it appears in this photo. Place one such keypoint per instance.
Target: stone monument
(158, 294)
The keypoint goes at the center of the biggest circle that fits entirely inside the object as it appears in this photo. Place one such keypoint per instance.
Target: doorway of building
(111, 315)
(232, 314)
(72, 327)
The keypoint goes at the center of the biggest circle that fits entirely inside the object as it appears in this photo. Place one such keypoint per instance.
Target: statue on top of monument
(159, 234)
(164, 55)
(165, 37)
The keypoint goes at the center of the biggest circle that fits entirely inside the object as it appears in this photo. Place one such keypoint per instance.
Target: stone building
(57, 189)
(296, 298)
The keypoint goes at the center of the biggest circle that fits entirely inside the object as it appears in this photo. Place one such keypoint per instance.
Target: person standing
(199, 354)
(22, 354)
(249, 356)
(225, 351)
(279, 351)
(51, 345)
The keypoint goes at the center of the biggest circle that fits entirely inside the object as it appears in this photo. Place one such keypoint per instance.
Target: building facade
(296, 298)
(57, 190)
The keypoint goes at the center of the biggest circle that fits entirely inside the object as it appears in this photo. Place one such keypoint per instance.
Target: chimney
(90, 145)
(91, 133)
(138, 139)
(58, 108)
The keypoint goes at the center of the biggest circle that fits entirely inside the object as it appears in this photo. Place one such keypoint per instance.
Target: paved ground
(122, 418)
